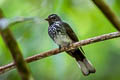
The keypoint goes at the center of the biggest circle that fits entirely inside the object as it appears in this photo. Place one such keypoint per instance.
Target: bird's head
(53, 18)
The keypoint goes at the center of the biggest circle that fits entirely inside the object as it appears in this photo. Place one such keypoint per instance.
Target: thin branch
(14, 49)
(57, 51)
(5, 23)
(107, 11)
(22, 19)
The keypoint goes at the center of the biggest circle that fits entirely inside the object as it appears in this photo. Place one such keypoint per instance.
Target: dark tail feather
(86, 67)
(84, 64)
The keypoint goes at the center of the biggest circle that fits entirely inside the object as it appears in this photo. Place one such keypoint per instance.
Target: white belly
(63, 40)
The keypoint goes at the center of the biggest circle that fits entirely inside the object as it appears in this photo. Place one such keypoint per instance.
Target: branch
(22, 19)
(108, 13)
(14, 49)
(57, 51)
(5, 23)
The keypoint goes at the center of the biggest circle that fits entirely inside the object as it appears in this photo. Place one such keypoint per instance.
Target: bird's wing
(71, 34)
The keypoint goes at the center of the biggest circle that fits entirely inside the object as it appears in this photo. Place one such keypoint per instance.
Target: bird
(63, 35)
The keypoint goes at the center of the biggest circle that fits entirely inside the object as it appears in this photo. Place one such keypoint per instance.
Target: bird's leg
(65, 46)
(60, 47)
(68, 45)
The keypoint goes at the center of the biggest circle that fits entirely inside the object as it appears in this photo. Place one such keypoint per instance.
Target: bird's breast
(59, 35)
(62, 40)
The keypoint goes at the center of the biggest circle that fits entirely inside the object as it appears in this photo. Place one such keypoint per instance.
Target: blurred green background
(85, 19)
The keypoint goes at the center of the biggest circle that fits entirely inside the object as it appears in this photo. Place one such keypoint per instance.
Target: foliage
(85, 19)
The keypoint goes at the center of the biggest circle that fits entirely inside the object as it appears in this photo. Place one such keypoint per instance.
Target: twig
(14, 49)
(108, 13)
(57, 51)
(5, 23)
(22, 19)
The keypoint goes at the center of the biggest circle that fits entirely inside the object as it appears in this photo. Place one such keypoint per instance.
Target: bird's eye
(53, 18)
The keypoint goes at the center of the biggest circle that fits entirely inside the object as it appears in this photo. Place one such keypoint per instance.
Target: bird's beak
(47, 19)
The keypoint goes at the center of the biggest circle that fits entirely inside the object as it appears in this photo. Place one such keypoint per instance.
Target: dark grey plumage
(62, 34)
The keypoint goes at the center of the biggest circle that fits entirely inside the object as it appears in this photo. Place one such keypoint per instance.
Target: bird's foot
(64, 47)
(70, 46)
(67, 46)
(60, 47)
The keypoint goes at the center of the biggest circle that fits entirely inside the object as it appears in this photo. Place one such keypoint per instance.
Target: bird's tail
(84, 64)
(86, 67)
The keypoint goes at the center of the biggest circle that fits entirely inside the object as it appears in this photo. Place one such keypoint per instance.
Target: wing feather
(71, 34)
